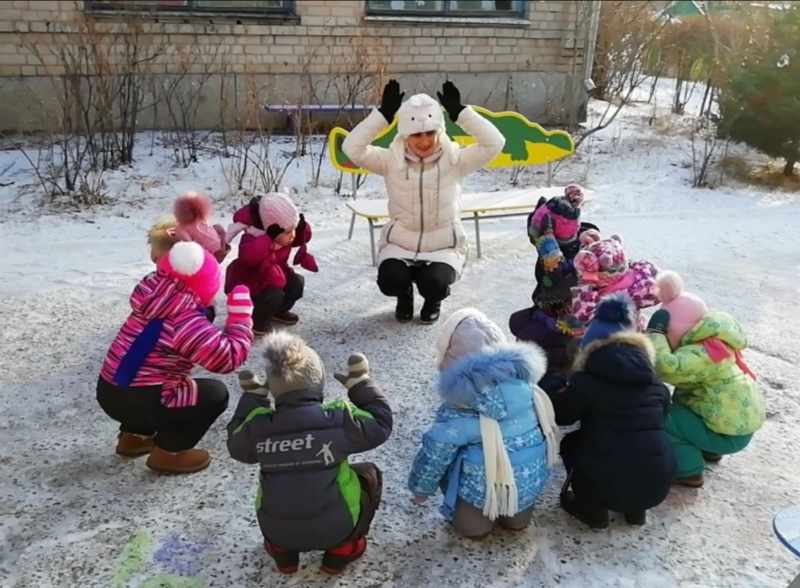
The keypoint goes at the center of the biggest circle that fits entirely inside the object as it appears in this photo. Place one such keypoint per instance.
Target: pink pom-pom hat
(685, 309)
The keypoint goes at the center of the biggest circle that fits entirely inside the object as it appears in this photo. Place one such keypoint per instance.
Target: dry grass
(769, 173)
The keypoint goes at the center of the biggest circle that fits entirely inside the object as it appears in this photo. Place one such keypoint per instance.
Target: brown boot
(689, 481)
(182, 462)
(132, 445)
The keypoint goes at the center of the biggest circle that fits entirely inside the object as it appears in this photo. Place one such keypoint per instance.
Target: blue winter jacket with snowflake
(497, 383)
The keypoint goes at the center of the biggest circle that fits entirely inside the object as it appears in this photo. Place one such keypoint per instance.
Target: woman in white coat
(424, 241)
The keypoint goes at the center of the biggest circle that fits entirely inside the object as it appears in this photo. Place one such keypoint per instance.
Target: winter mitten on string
(251, 383)
(357, 371)
(305, 260)
(240, 306)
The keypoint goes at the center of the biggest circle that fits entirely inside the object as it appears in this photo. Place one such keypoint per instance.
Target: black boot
(404, 311)
(430, 312)
(637, 517)
(596, 519)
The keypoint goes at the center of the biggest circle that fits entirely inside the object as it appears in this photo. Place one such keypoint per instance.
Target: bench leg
(352, 224)
(477, 218)
(372, 242)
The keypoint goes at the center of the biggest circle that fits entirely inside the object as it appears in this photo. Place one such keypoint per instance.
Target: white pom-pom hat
(192, 265)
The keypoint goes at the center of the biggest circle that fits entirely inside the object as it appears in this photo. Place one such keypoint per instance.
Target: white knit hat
(466, 331)
(419, 114)
(276, 208)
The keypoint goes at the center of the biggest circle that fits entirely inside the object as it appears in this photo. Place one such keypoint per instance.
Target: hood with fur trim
(474, 381)
(626, 357)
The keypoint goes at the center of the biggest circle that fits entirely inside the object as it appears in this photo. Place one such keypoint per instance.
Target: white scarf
(501, 488)
(502, 499)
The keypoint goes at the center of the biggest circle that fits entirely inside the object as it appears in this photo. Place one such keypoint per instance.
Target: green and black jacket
(309, 497)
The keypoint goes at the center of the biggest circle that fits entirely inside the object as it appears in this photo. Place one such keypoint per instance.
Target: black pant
(433, 280)
(273, 301)
(587, 495)
(139, 410)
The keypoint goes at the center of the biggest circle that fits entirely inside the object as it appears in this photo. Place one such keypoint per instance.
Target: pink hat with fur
(189, 263)
(192, 211)
(685, 309)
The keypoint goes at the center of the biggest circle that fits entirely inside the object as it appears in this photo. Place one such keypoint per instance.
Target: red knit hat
(194, 266)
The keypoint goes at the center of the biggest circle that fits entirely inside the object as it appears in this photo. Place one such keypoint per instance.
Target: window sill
(475, 21)
(193, 17)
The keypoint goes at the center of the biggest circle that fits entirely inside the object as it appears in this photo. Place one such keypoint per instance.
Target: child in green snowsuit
(716, 406)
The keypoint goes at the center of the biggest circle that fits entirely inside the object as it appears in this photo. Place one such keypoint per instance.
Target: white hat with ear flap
(419, 114)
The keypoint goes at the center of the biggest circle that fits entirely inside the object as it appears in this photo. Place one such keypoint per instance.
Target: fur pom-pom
(192, 207)
(286, 355)
(186, 258)
(669, 285)
(616, 308)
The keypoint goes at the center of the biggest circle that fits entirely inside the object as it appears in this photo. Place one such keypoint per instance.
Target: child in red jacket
(272, 226)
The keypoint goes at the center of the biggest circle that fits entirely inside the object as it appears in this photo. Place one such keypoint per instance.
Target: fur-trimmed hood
(474, 381)
(625, 357)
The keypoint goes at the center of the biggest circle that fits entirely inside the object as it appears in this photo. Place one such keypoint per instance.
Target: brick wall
(324, 37)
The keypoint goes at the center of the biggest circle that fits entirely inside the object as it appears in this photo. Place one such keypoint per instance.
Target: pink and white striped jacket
(187, 338)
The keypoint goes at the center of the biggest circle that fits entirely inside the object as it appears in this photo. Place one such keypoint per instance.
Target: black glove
(274, 230)
(659, 322)
(450, 98)
(391, 100)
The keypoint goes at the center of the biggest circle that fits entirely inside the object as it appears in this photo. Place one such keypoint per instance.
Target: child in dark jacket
(315, 499)
(554, 228)
(272, 226)
(620, 458)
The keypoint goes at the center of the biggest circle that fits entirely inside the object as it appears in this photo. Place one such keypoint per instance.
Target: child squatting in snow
(302, 445)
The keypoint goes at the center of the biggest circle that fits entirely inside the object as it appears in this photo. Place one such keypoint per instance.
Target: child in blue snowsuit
(494, 439)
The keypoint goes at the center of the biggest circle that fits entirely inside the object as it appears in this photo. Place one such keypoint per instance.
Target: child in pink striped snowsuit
(145, 381)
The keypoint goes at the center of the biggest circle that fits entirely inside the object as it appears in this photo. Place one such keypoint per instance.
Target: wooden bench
(474, 207)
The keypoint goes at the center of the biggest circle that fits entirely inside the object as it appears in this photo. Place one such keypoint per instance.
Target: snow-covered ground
(74, 514)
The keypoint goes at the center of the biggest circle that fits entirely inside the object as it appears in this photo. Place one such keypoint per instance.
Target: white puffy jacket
(424, 198)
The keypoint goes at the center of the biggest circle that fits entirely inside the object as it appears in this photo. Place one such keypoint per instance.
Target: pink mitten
(240, 307)
(305, 260)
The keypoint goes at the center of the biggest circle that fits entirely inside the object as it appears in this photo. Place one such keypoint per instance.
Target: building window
(485, 8)
(254, 7)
